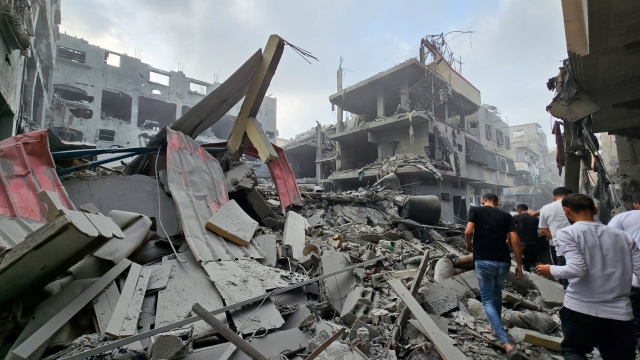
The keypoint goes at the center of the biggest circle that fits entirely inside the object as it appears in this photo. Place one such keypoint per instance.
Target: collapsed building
(421, 121)
(112, 99)
(28, 34)
(184, 254)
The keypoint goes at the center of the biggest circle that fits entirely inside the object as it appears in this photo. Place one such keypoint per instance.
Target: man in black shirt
(491, 230)
(527, 229)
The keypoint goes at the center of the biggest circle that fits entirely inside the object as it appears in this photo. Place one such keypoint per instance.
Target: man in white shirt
(600, 264)
(629, 222)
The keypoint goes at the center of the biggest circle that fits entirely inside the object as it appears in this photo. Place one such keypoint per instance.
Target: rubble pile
(189, 256)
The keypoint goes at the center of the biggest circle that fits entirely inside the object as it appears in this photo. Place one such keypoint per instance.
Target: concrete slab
(269, 246)
(159, 276)
(135, 193)
(294, 233)
(301, 316)
(337, 288)
(241, 177)
(443, 297)
(232, 223)
(276, 343)
(135, 228)
(552, 293)
(187, 281)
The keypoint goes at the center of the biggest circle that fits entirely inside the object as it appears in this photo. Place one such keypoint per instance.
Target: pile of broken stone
(337, 276)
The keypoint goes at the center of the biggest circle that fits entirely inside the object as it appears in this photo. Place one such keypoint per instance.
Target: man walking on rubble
(527, 229)
(600, 264)
(491, 229)
(629, 222)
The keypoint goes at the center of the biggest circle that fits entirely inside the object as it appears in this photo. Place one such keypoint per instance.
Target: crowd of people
(599, 266)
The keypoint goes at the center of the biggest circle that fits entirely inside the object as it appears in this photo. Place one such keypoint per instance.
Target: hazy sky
(518, 45)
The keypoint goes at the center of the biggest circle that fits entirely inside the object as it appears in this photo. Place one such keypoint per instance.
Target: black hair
(491, 197)
(636, 198)
(523, 207)
(562, 191)
(579, 203)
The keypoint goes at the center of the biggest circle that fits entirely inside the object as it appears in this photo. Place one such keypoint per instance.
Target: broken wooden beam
(245, 123)
(442, 342)
(52, 326)
(325, 344)
(227, 333)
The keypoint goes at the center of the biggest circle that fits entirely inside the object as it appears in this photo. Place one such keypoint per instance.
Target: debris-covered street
(147, 215)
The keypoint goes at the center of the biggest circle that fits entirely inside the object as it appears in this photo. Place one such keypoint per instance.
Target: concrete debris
(232, 223)
(368, 273)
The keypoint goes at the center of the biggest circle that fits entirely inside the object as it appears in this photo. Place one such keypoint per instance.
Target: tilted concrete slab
(337, 288)
(294, 233)
(232, 223)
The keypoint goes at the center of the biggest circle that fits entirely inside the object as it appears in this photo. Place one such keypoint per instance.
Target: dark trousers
(560, 261)
(635, 305)
(614, 338)
(531, 255)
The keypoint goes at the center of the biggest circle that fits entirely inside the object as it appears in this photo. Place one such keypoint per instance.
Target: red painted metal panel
(26, 168)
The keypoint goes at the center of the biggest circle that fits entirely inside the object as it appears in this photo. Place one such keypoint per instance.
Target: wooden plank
(227, 333)
(255, 94)
(441, 341)
(52, 326)
(104, 305)
(326, 344)
(191, 320)
(115, 324)
(130, 323)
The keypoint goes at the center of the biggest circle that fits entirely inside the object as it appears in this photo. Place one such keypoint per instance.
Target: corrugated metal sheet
(197, 184)
(13, 230)
(26, 168)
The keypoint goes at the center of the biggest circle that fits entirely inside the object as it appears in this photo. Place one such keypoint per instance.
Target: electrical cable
(160, 213)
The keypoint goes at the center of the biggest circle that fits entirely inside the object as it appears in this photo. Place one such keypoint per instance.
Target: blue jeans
(491, 276)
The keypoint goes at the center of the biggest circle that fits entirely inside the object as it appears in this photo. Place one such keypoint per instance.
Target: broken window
(460, 147)
(507, 142)
(73, 95)
(473, 125)
(163, 113)
(111, 59)
(158, 78)
(82, 113)
(198, 88)
(487, 130)
(503, 165)
(499, 137)
(106, 135)
(71, 54)
(116, 105)
(156, 92)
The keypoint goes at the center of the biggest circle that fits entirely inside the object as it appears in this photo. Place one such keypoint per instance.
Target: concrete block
(232, 223)
(172, 344)
(268, 245)
(241, 177)
(443, 297)
(294, 233)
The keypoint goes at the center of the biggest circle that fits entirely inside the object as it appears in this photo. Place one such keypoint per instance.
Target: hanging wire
(306, 55)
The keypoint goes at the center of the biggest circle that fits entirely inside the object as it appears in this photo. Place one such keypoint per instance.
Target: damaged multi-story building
(529, 149)
(114, 100)
(28, 35)
(421, 120)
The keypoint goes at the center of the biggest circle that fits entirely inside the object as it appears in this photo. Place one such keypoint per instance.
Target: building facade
(412, 120)
(28, 33)
(115, 100)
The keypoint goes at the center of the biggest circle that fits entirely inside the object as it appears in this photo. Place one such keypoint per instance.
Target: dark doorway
(460, 209)
(155, 112)
(115, 105)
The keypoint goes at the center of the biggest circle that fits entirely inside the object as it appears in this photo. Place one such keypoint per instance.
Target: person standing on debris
(489, 230)
(629, 222)
(527, 229)
(600, 264)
